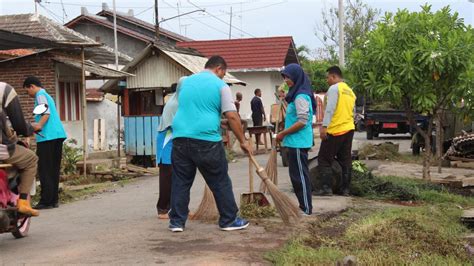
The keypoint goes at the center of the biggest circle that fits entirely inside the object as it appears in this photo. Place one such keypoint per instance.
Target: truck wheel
(284, 156)
(370, 132)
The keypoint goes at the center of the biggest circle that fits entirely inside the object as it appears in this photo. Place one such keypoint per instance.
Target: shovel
(257, 198)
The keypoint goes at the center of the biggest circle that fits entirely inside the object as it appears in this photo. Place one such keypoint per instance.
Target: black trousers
(163, 204)
(339, 147)
(299, 175)
(49, 168)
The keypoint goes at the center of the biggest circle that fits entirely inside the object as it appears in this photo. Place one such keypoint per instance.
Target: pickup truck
(388, 122)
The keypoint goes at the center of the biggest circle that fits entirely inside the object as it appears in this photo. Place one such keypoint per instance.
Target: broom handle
(250, 171)
(255, 163)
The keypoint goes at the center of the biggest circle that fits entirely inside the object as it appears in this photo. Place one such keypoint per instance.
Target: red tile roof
(252, 53)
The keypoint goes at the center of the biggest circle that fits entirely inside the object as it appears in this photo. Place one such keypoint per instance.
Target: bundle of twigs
(207, 210)
(272, 168)
(288, 210)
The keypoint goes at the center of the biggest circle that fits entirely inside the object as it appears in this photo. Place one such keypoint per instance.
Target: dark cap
(32, 81)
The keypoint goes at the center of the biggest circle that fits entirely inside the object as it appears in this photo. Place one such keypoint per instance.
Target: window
(69, 101)
(144, 103)
(97, 38)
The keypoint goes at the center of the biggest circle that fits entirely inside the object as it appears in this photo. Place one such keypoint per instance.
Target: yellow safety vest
(343, 118)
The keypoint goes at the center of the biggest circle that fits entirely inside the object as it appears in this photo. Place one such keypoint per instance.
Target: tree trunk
(427, 157)
(439, 139)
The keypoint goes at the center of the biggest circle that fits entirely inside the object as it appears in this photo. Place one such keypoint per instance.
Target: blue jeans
(209, 157)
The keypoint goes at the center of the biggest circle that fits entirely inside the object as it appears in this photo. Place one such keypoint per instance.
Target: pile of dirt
(382, 151)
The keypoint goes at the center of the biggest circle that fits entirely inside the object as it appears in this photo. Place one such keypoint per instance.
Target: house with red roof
(257, 61)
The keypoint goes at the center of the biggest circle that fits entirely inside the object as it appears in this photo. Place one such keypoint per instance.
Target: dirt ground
(120, 227)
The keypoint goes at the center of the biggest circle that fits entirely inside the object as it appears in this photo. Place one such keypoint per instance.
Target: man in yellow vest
(336, 133)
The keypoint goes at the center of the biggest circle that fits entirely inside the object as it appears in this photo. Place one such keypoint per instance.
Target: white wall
(105, 110)
(265, 81)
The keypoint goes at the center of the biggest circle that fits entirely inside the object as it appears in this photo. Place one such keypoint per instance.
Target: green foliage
(360, 18)
(316, 71)
(423, 60)
(252, 210)
(71, 155)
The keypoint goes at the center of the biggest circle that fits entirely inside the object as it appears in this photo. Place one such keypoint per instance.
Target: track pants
(299, 174)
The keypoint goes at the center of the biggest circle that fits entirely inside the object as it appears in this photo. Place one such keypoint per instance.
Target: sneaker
(238, 224)
(175, 228)
(304, 214)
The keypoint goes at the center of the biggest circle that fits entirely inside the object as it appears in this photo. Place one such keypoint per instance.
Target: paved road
(120, 227)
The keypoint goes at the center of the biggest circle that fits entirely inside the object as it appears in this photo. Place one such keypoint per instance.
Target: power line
(205, 24)
(141, 12)
(53, 15)
(223, 21)
(172, 7)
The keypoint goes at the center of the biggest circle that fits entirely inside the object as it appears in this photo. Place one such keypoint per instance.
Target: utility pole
(230, 24)
(341, 33)
(157, 21)
(36, 6)
(117, 67)
(179, 17)
(185, 26)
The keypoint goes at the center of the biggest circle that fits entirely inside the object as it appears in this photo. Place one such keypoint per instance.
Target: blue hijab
(302, 85)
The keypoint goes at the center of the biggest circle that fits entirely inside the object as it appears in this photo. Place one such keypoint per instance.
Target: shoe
(41, 206)
(238, 224)
(163, 216)
(325, 191)
(304, 214)
(25, 208)
(175, 228)
(346, 193)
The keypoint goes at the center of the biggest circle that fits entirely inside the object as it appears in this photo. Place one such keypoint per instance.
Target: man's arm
(263, 110)
(41, 99)
(233, 118)
(15, 113)
(332, 98)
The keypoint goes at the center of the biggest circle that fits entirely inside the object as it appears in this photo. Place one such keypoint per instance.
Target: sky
(250, 18)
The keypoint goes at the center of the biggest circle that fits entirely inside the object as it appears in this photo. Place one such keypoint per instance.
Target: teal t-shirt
(304, 137)
(199, 108)
(53, 128)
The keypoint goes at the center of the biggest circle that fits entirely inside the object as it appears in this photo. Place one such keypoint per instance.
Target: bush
(71, 155)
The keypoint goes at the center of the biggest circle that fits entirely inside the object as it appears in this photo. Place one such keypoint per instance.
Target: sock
(23, 196)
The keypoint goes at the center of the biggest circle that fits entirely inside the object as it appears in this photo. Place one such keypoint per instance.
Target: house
(133, 34)
(255, 60)
(154, 71)
(59, 68)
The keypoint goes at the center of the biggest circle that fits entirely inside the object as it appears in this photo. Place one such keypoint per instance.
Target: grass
(430, 233)
(252, 211)
(425, 235)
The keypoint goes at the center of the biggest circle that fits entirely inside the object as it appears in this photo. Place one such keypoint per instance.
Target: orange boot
(25, 207)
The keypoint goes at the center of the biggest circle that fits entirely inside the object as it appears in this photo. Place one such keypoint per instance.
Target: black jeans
(163, 204)
(49, 167)
(339, 147)
(209, 157)
(299, 175)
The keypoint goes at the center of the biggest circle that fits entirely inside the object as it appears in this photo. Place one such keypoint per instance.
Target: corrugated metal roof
(148, 26)
(96, 71)
(148, 78)
(14, 40)
(196, 64)
(42, 27)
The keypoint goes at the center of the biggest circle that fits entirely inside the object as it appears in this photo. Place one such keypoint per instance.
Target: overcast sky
(251, 18)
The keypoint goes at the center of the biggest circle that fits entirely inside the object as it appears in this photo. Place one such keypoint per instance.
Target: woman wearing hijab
(298, 133)
(164, 145)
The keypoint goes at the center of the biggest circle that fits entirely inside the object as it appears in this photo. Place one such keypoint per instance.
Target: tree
(423, 61)
(360, 18)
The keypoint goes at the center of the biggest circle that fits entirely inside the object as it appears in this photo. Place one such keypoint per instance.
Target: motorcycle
(12, 221)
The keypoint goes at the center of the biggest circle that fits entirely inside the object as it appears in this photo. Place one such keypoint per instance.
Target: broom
(271, 167)
(288, 210)
(207, 210)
